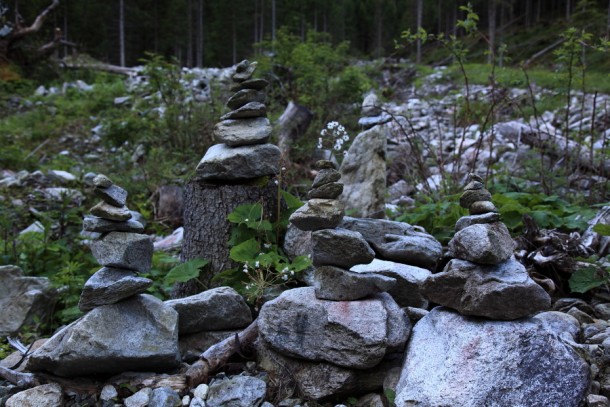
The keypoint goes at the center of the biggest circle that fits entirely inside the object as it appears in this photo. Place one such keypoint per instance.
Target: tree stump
(206, 229)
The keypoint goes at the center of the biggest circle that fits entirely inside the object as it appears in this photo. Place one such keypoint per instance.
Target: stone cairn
(243, 152)
(313, 324)
(122, 250)
(484, 278)
(372, 114)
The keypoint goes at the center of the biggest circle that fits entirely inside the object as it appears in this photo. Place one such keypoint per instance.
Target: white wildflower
(257, 264)
(285, 277)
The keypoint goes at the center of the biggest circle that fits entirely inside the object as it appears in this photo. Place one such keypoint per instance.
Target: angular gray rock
(561, 324)
(453, 360)
(504, 291)
(113, 195)
(252, 109)
(340, 247)
(326, 176)
(465, 221)
(327, 191)
(138, 334)
(297, 242)
(110, 285)
(486, 243)
(363, 173)
(216, 309)
(110, 212)
(130, 251)
(397, 241)
(102, 181)
(471, 196)
(318, 214)
(321, 381)
(101, 225)
(407, 291)
(46, 395)
(244, 96)
(256, 83)
(351, 334)
(336, 284)
(235, 133)
(164, 397)
(23, 299)
(237, 391)
(244, 71)
(222, 162)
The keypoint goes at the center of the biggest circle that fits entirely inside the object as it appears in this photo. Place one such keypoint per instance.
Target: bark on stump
(206, 229)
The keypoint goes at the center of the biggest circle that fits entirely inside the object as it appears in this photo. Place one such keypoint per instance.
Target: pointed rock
(112, 195)
(244, 71)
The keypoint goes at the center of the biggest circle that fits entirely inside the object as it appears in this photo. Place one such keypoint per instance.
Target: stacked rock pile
(122, 249)
(372, 114)
(243, 133)
(484, 278)
(347, 322)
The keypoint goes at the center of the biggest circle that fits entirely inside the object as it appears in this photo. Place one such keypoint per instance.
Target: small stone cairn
(122, 249)
(347, 322)
(243, 133)
(372, 114)
(484, 278)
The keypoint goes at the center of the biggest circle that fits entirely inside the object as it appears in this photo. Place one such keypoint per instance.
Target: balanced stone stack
(484, 278)
(124, 329)
(343, 327)
(122, 249)
(372, 114)
(243, 133)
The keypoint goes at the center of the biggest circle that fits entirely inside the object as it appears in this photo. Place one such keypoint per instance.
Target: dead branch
(121, 70)
(48, 48)
(218, 354)
(19, 378)
(21, 32)
(543, 52)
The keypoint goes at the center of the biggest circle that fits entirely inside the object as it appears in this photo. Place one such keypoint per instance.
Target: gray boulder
(407, 291)
(352, 334)
(22, 299)
(363, 173)
(454, 360)
(235, 133)
(138, 334)
(397, 241)
(46, 395)
(164, 397)
(340, 247)
(321, 381)
(113, 195)
(237, 391)
(318, 214)
(130, 251)
(101, 225)
(222, 162)
(504, 291)
(212, 310)
(560, 323)
(336, 284)
(297, 242)
(486, 243)
(110, 285)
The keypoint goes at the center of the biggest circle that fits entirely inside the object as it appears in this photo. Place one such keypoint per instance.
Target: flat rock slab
(407, 290)
(353, 334)
(235, 133)
(252, 109)
(212, 310)
(109, 286)
(22, 299)
(244, 96)
(318, 214)
(138, 334)
(111, 212)
(454, 360)
(465, 221)
(101, 225)
(237, 391)
(222, 162)
(397, 241)
(130, 251)
(327, 191)
(485, 243)
(336, 284)
(340, 247)
(504, 291)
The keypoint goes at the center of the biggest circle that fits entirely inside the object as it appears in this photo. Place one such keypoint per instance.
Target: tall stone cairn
(230, 173)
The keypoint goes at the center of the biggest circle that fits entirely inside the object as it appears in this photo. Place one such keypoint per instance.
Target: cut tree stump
(207, 231)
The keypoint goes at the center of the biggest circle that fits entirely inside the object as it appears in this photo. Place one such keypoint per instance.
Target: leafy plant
(596, 270)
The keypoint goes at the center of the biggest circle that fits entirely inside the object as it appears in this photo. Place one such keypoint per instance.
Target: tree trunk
(292, 123)
(122, 33)
(189, 33)
(491, 30)
(420, 12)
(207, 231)
(199, 41)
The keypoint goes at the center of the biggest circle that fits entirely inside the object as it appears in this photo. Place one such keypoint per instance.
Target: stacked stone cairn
(347, 322)
(484, 278)
(123, 329)
(122, 249)
(372, 114)
(243, 133)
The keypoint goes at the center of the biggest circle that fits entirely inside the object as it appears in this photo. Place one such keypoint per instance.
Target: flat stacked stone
(484, 278)
(243, 134)
(372, 114)
(122, 250)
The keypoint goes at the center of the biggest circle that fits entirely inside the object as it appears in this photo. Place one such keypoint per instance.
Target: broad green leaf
(185, 271)
(586, 279)
(246, 213)
(300, 263)
(292, 201)
(602, 229)
(245, 251)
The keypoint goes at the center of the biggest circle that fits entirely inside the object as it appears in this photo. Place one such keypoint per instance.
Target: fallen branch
(218, 354)
(36, 25)
(121, 70)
